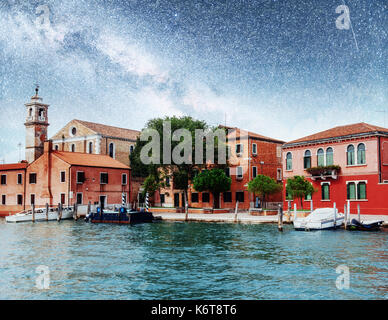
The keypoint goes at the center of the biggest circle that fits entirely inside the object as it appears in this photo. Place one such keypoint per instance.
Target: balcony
(324, 172)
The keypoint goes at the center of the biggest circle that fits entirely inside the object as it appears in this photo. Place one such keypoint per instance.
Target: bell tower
(36, 127)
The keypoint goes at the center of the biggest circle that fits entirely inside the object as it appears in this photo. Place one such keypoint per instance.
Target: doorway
(102, 202)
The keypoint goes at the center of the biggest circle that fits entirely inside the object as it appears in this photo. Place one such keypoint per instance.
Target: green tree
(299, 187)
(214, 181)
(263, 186)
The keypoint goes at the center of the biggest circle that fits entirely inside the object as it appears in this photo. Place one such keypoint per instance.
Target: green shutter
(351, 191)
(361, 192)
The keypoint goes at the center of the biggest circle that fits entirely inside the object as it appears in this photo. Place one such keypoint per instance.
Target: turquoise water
(189, 261)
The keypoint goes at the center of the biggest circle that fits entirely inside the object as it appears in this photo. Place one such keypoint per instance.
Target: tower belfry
(36, 126)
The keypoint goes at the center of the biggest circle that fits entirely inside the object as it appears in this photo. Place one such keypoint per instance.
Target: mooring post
(47, 211)
(88, 209)
(235, 212)
(59, 212)
(359, 213)
(186, 208)
(295, 216)
(348, 219)
(345, 215)
(335, 215)
(280, 218)
(33, 212)
(75, 214)
(311, 206)
(289, 211)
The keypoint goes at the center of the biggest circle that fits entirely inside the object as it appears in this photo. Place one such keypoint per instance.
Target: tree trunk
(301, 203)
(216, 200)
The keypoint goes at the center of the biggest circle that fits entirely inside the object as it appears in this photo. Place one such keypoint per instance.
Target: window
(103, 178)
(361, 154)
(227, 172)
(111, 150)
(124, 179)
(73, 147)
(361, 190)
(254, 148)
(239, 172)
(325, 191)
(3, 199)
(307, 159)
(56, 147)
(279, 151)
(239, 148)
(20, 199)
(32, 199)
(3, 179)
(63, 176)
(350, 155)
(80, 177)
(307, 197)
(73, 131)
(240, 196)
(205, 197)
(321, 157)
(30, 112)
(130, 149)
(329, 156)
(162, 198)
(279, 174)
(227, 196)
(351, 191)
(289, 161)
(254, 172)
(79, 198)
(90, 147)
(32, 178)
(194, 197)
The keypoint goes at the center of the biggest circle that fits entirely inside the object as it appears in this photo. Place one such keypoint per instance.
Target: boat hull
(365, 226)
(39, 216)
(131, 217)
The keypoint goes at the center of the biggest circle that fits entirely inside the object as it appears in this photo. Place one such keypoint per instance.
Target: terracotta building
(352, 163)
(250, 154)
(55, 176)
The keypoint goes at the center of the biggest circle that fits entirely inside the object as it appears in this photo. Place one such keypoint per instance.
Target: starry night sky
(279, 68)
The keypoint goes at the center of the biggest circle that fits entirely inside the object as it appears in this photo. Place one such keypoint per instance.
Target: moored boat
(121, 216)
(41, 215)
(373, 225)
(320, 219)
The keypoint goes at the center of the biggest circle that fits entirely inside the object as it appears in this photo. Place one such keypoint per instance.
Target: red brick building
(359, 150)
(250, 154)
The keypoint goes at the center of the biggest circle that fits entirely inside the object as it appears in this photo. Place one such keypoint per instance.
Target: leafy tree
(299, 187)
(263, 186)
(214, 181)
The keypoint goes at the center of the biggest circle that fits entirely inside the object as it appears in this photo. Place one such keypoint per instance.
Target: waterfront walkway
(242, 217)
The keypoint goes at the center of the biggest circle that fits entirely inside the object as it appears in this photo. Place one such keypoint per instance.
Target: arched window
(361, 154)
(329, 156)
(41, 112)
(350, 155)
(307, 159)
(321, 157)
(30, 112)
(73, 147)
(111, 150)
(90, 147)
(56, 147)
(289, 161)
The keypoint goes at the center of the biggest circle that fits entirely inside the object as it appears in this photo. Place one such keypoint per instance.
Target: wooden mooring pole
(295, 214)
(75, 212)
(235, 212)
(335, 215)
(33, 212)
(289, 211)
(88, 209)
(47, 211)
(345, 216)
(280, 218)
(59, 212)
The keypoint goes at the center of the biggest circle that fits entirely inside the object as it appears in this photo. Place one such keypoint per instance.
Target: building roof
(110, 131)
(13, 166)
(89, 160)
(341, 131)
(253, 135)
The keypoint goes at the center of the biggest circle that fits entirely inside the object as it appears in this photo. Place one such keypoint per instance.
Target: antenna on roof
(36, 89)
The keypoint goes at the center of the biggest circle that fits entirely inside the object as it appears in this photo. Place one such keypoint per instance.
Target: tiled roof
(13, 166)
(110, 131)
(342, 131)
(89, 160)
(253, 135)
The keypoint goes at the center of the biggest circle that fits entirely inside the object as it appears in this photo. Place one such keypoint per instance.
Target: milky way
(279, 68)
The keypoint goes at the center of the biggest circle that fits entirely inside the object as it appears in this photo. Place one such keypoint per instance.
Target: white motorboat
(320, 219)
(40, 215)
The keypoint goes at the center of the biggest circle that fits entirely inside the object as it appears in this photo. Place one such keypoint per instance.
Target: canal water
(188, 261)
